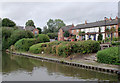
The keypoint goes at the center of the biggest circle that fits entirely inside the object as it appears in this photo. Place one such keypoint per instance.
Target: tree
(8, 23)
(100, 35)
(45, 30)
(112, 30)
(40, 30)
(30, 23)
(66, 34)
(55, 25)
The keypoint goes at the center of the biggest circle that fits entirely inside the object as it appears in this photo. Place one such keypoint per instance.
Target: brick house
(34, 30)
(91, 30)
(62, 31)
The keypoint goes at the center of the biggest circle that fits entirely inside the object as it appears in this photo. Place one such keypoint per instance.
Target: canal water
(20, 68)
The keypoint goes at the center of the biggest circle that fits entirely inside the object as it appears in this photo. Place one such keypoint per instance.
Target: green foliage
(50, 44)
(24, 44)
(40, 30)
(115, 39)
(38, 48)
(30, 23)
(45, 30)
(66, 34)
(52, 35)
(81, 33)
(54, 25)
(19, 34)
(77, 47)
(10, 36)
(115, 43)
(100, 36)
(108, 56)
(65, 49)
(42, 38)
(8, 23)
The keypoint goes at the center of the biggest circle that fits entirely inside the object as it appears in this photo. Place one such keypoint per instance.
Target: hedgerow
(109, 56)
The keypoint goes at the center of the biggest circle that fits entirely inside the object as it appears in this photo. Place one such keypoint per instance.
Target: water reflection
(22, 68)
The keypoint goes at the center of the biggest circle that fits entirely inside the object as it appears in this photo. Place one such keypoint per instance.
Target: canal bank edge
(86, 66)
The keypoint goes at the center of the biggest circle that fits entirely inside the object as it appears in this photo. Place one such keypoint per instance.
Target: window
(36, 32)
(77, 30)
(72, 31)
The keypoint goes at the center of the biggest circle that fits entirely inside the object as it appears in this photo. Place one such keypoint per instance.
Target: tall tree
(40, 30)
(55, 25)
(30, 23)
(6, 22)
(45, 30)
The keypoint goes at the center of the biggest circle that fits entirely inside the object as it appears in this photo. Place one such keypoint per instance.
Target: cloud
(69, 12)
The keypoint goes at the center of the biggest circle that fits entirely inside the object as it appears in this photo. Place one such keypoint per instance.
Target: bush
(19, 34)
(42, 38)
(88, 46)
(50, 44)
(115, 39)
(10, 35)
(38, 48)
(24, 44)
(108, 56)
(52, 35)
(77, 47)
(64, 50)
(115, 43)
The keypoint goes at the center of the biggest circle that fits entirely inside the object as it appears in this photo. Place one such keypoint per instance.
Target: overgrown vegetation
(10, 35)
(24, 44)
(65, 49)
(108, 56)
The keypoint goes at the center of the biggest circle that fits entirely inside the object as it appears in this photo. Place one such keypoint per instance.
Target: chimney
(116, 18)
(85, 22)
(110, 18)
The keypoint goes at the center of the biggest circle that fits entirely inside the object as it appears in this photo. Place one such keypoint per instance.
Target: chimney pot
(85, 22)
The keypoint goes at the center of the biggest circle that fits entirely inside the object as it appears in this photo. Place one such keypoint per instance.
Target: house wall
(60, 35)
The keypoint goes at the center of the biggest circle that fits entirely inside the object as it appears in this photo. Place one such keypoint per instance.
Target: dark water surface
(19, 68)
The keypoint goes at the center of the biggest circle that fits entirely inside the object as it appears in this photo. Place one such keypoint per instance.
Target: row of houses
(91, 30)
(34, 30)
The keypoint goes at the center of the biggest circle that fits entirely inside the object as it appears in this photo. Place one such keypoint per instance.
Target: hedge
(24, 44)
(115, 43)
(50, 44)
(62, 48)
(108, 56)
(77, 47)
(38, 48)
(42, 38)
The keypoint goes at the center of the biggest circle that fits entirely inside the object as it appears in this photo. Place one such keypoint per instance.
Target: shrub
(50, 44)
(88, 46)
(10, 35)
(108, 56)
(115, 39)
(38, 48)
(42, 38)
(19, 34)
(77, 47)
(115, 43)
(52, 35)
(64, 50)
(24, 44)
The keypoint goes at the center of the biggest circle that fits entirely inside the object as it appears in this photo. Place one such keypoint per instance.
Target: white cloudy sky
(69, 12)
